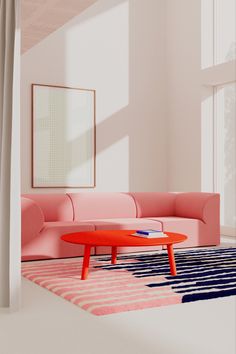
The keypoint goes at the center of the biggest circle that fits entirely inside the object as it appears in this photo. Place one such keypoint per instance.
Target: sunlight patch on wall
(99, 48)
(118, 155)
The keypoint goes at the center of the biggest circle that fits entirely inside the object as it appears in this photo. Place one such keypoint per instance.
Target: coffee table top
(118, 238)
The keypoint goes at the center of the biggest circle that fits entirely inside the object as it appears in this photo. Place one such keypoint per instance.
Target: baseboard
(228, 239)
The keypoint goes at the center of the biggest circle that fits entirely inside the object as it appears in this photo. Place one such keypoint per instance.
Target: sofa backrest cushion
(152, 204)
(96, 205)
(194, 205)
(55, 207)
(32, 220)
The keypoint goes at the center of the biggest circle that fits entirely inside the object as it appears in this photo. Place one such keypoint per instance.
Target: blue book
(148, 232)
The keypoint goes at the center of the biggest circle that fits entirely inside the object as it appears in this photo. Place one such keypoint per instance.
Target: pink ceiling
(39, 18)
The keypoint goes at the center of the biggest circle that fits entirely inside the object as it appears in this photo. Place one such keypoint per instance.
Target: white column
(10, 240)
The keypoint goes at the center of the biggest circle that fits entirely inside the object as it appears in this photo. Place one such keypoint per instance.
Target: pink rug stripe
(106, 291)
(107, 310)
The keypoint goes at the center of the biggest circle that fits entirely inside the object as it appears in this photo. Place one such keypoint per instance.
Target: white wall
(118, 48)
(183, 38)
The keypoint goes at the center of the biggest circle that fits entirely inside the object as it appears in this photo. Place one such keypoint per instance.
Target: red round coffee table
(121, 238)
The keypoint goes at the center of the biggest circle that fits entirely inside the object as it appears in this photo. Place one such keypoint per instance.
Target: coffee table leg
(113, 255)
(86, 262)
(171, 259)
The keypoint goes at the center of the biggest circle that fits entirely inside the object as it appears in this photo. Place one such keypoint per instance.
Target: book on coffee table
(149, 233)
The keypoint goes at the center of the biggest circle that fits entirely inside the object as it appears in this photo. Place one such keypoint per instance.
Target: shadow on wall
(125, 68)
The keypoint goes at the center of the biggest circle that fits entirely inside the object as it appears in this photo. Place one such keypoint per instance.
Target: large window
(219, 106)
(224, 30)
(218, 32)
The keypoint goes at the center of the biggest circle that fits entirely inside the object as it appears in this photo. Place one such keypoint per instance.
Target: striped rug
(138, 281)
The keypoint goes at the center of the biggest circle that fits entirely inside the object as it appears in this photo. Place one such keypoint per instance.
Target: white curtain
(9, 154)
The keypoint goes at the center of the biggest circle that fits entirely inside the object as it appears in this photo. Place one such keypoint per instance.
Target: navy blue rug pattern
(202, 274)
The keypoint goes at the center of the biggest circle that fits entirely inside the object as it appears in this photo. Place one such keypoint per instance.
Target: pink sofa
(45, 217)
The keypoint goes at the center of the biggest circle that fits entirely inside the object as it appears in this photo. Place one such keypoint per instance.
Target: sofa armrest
(32, 220)
(198, 205)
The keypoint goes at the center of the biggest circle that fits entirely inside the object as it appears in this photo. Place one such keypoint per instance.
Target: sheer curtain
(9, 154)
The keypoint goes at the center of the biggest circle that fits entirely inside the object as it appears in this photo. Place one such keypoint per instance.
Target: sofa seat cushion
(67, 226)
(49, 245)
(125, 224)
(104, 250)
(129, 224)
(183, 226)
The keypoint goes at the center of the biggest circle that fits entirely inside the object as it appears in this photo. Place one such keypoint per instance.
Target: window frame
(213, 76)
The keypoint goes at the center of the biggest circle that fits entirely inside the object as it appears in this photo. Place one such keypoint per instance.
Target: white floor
(47, 324)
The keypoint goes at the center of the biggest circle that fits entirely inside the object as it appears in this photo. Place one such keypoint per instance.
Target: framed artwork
(63, 137)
